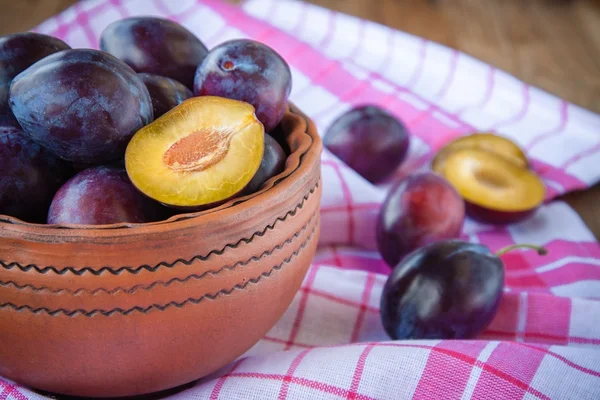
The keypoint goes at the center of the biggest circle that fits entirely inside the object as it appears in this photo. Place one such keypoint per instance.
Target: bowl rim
(296, 165)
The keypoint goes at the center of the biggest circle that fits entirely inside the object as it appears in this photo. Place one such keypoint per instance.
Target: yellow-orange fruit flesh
(489, 180)
(484, 141)
(202, 152)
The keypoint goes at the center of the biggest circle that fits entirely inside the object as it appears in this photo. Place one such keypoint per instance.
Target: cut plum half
(199, 154)
(484, 141)
(495, 189)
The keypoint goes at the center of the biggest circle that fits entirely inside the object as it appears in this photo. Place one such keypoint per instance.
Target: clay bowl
(127, 309)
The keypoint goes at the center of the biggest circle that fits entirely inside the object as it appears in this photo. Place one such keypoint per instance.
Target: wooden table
(552, 44)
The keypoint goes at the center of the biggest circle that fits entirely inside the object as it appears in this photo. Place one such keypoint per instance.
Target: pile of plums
(150, 124)
(439, 287)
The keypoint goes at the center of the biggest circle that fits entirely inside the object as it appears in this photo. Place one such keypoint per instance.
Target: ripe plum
(249, 71)
(420, 209)
(84, 105)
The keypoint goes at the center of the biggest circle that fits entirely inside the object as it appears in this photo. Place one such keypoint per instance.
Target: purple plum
(166, 93)
(446, 290)
(101, 195)
(84, 105)
(420, 209)
(155, 46)
(18, 52)
(369, 140)
(273, 163)
(249, 71)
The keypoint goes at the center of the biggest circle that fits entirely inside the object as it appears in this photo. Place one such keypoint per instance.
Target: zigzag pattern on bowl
(136, 270)
(168, 283)
(143, 310)
(109, 291)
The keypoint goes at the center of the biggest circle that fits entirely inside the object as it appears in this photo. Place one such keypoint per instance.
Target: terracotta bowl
(128, 309)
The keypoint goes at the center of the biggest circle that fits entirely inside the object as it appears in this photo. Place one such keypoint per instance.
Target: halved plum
(199, 154)
(485, 141)
(495, 189)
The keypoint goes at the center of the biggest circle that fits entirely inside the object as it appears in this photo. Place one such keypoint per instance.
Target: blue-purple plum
(29, 176)
(18, 51)
(369, 140)
(446, 290)
(249, 71)
(84, 105)
(166, 93)
(101, 195)
(155, 46)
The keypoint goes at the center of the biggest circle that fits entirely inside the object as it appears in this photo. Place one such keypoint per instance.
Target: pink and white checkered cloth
(545, 340)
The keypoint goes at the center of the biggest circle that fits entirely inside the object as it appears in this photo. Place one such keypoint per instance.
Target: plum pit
(198, 151)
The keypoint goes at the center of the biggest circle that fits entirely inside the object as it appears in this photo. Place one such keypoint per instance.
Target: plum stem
(541, 250)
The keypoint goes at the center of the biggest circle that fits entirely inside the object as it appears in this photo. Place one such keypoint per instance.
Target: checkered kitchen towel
(545, 340)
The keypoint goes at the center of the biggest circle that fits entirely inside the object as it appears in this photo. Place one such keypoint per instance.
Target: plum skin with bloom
(101, 195)
(446, 290)
(83, 105)
(369, 140)
(155, 46)
(248, 71)
(18, 52)
(166, 93)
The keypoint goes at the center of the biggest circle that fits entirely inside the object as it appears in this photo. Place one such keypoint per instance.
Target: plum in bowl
(151, 306)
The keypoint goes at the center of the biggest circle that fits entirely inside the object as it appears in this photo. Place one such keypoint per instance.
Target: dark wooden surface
(552, 44)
